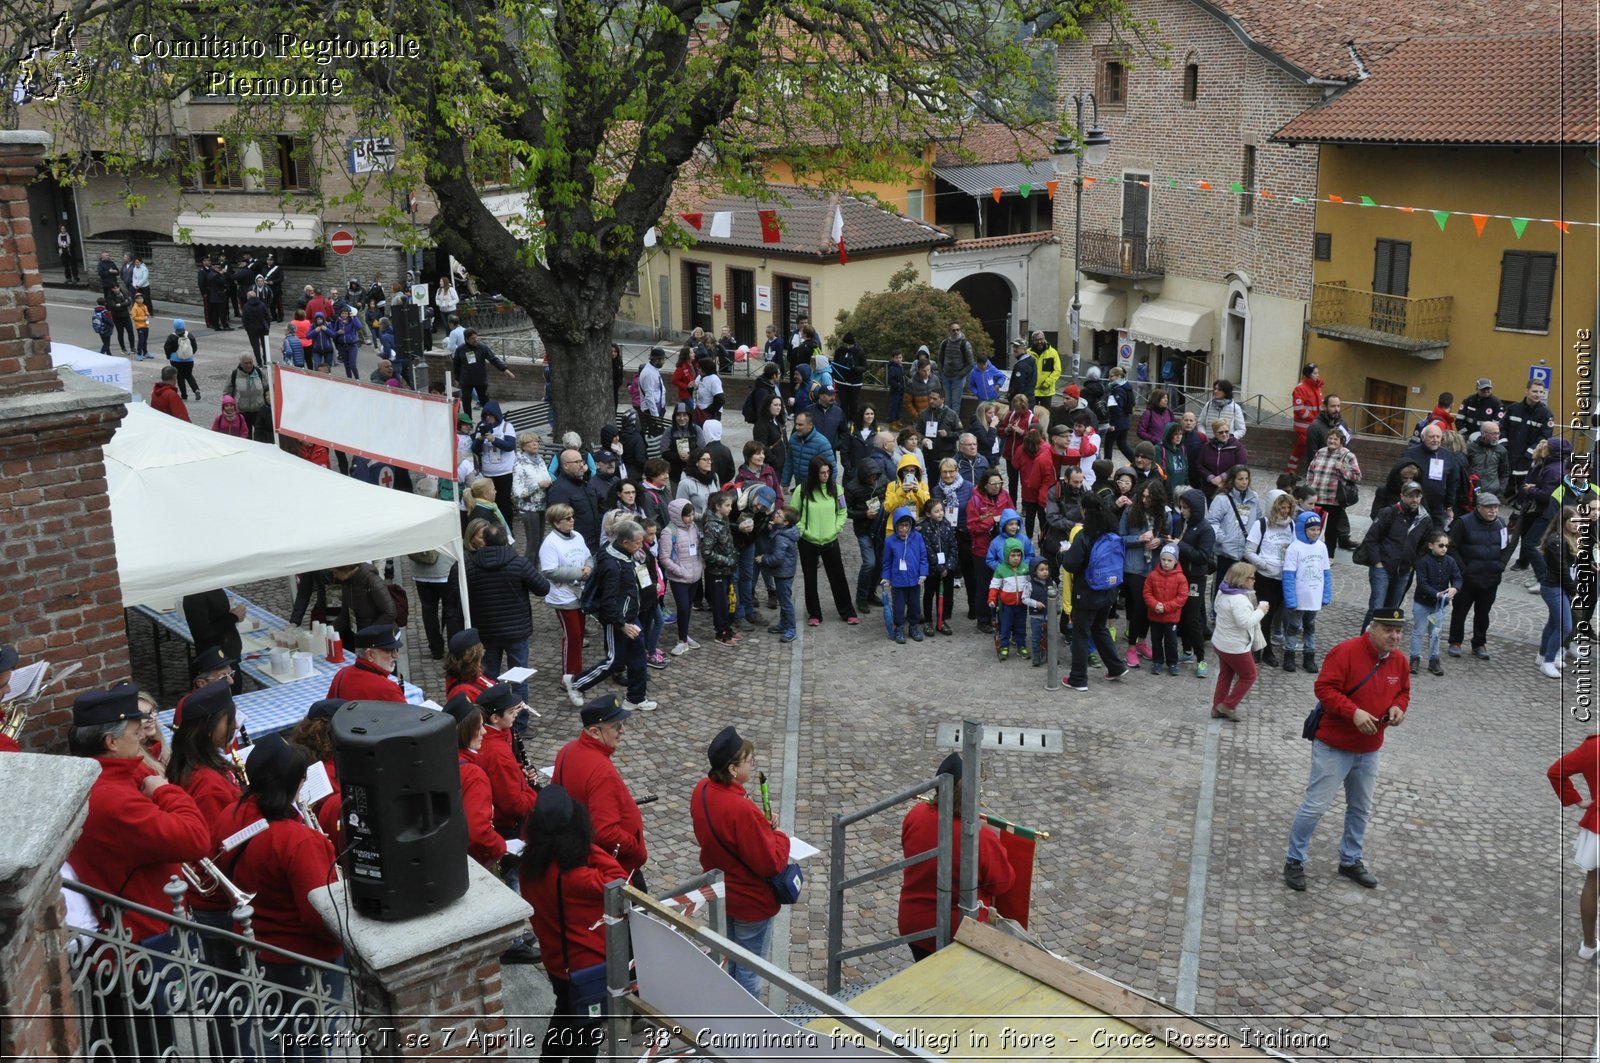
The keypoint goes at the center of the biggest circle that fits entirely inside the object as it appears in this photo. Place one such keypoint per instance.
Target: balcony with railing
(1417, 326)
(1112, 256)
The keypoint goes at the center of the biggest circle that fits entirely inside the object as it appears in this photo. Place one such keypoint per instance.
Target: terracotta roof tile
(1514, 89)
(807, 218)
(1315, 35)
(983, 243)
(990, 142)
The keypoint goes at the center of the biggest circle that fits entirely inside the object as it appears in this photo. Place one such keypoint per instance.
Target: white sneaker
(692, 644)
(573, 695)
(644, 706)
(1586, 952)
(1561, 659)
(680, 649)
(1550, 670)
(1533, 586)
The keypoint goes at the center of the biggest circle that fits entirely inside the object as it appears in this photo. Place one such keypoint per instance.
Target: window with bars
(1322, 246)
(1527, 281)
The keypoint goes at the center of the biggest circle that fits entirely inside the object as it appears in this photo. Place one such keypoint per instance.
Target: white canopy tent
(192, 510)
(118, 372)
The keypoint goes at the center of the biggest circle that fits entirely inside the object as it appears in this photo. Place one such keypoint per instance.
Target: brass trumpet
(208, 878)
(16, 717)
(310, 817)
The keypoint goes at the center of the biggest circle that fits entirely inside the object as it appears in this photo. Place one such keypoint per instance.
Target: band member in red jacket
(1583, 761)
(463, 665)
(203, 725)
(585, 769)
(564, 873)
(371, 677)
(315, 733)
(741, 840)
(919, 890)
(514, 795)
(484, 844)
(138, 830)
(8, 661)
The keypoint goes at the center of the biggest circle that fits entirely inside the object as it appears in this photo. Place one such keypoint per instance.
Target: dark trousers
(468, 391)
(125, 336)
(978, 588)
(938, 598)
(1478, 601)
(1335, 528)
(839, 583)
(1090, 624)
(1117, 439)
(1138, 611)
(620, 650)
(441, 612)
(1192, 626)
(1269, 589)
(186, 379)
(717, 594)
(258, 347)
(907, 606)
(568, 1036)
(1163, 644)
(217, 315)
(295, 976)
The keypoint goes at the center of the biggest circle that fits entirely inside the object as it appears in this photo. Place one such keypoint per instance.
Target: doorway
(697, 297)
(1385, 414)
(990, 297)
(794, 303)
(742, 306)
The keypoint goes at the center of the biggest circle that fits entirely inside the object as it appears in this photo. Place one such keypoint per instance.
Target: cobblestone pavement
(1466, 950)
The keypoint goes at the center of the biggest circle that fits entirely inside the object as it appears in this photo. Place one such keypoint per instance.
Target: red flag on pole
(770, 232)
(1015, 902)
(695, 219)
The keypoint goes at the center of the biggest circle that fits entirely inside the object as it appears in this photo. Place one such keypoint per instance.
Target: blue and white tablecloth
(278, 708)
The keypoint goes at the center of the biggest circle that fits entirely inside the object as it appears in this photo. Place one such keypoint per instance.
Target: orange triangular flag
(1409, 210)
(1477, 222)
(1050, 188)
(1087, 181)
(1562, 225)
(1335, 199)
(1205, 186)
(997, 193)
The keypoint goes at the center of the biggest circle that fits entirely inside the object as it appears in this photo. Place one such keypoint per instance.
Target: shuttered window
(1391, 270)
(1527, 279)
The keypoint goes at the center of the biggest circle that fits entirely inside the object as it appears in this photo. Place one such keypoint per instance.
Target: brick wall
(57, 560)
(1243, 99)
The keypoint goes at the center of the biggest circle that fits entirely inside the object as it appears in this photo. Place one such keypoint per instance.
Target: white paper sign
(763, 297)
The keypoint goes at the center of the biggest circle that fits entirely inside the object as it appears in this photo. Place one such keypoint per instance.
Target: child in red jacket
(1166, 588)
(1036, 466)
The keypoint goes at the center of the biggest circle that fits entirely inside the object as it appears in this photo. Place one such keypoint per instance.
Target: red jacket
(9, 745)
(918, 892)
(1585, 761)
(583, 896)
(363, 682)
(164, 397)
(755, 850)
(1307, 399)
(513, 797)
(470, 688)
(1038, 474)
(982, 514)
(484, 844)
(132, 844)
(319, 304)
(1342, 669)
(215, 794)
(1171, 589)
(584, 768)
(1011, 442)
(282, 866)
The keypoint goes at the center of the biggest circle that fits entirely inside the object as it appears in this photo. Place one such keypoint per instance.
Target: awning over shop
(1181, 326)
(982, 180)
(248, 230)
(1102, 308)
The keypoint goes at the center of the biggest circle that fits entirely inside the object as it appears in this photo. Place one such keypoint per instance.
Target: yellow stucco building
(1456, 232)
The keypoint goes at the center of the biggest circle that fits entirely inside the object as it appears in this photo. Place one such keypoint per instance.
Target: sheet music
(315, 786)
(799, 850)
(26, 681)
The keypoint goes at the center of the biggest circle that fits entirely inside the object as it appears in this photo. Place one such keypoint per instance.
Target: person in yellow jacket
(141, 328)
(908, 489)
(1049, 359)
(823, 516)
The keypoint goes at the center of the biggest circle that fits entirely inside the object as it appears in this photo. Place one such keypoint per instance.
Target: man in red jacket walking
(584, 769)
(1364, 688)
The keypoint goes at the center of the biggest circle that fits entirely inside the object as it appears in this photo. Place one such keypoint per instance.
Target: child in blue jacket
(1010, 528)
(777, 552)
(905, 570)
(1438, 581)
(943, 561)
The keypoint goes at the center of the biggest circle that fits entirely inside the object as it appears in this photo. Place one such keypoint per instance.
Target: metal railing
(1341, 311)
(490, 315)
(194, 992)
(1116, 255)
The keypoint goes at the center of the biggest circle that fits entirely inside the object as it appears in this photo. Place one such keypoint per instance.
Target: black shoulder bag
(587, 990)
(1314, 717)
(785, 884)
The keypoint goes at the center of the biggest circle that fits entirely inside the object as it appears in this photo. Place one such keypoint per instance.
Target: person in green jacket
(1173, 458)
(822, 517)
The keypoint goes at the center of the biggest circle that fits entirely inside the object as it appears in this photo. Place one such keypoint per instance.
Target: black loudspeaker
(405, 835)
(409, 336)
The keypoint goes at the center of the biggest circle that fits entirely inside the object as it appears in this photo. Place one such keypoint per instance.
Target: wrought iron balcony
(1417, 326)
(1113, 256)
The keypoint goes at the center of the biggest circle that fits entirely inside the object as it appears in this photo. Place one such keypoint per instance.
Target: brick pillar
(40, 820)
(429, 987)
(57, 561)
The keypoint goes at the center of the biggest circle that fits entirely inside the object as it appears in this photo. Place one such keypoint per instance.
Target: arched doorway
(991, 298)
(1236, 330)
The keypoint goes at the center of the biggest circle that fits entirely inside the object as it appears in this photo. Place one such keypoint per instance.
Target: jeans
(651, 624)
(785, 603)
(752, 935)
(142, 348)
(1331, 768)
(514, 654)
(1559, 626)
(867, 577)
(1013, 625)
(683, 600)
(1427, 624)
(1036, 634)
(439, 601)
(1388, 590)
(907, 605)
(745, 581)
(952, 386)
(1298, 623)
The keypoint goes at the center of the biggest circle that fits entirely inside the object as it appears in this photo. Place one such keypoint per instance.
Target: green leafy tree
(591, 110)
(909, 314)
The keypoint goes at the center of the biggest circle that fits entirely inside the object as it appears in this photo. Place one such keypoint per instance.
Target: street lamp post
(1091, 146)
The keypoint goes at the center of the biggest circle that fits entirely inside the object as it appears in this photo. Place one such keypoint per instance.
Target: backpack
(402, 608)
(1104, 571)
(749, 408)
(100, 321)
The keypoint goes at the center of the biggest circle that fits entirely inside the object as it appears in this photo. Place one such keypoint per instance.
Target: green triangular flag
(1111, 180)
(1368, 201)
(1024, 190)
(1236, 188)
(1441, 216)
(1297, 199)
(1172, 182)
(1519, 224)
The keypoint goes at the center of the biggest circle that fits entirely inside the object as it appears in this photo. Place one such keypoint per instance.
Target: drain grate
(1007, 739)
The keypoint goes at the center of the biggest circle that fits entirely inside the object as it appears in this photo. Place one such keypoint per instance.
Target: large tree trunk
(580, 377)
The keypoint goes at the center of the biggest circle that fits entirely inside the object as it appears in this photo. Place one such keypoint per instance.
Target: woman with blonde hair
(1238, 632)
(529, 479)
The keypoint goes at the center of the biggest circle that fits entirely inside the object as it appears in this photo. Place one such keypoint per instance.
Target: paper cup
(303, 668)
(281, 660)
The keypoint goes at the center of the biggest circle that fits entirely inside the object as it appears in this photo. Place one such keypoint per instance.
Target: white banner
(381, 424)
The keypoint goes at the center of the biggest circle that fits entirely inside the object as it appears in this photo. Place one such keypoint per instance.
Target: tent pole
(461, 584)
